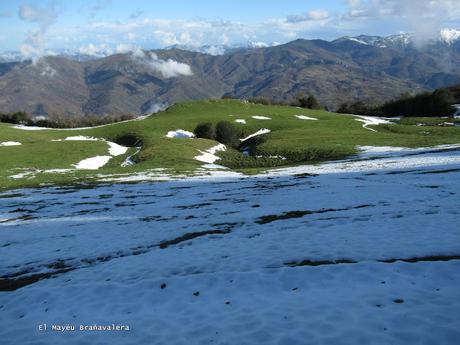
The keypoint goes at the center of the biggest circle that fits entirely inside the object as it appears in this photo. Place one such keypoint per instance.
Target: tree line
(61, 121)
(427, 104)
(302, 101)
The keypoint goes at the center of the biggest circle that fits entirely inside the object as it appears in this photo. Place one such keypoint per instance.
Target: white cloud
(165, 32)
(424, 17)
(48, 71)
(34, 44)
(124, 48)
(97, 50)
(168, 68)
(314, 15)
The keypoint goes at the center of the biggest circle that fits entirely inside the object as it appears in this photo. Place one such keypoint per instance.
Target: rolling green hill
(44, 156)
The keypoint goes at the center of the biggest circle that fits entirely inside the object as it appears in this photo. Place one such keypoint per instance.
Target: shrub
(205, 130)
(309, 102)
(226, 134)
(16, 118)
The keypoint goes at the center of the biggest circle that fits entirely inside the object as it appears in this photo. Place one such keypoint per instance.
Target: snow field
(220, 259)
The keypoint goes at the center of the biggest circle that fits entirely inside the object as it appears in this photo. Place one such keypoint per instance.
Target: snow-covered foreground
(345, 257)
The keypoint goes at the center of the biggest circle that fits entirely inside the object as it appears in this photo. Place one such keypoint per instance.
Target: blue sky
(37, 27)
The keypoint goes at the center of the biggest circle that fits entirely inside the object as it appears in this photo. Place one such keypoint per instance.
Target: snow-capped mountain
(445, 36)
(450, 36)
(92, 52)
(14, 56)
(10, 56)
(222, 49)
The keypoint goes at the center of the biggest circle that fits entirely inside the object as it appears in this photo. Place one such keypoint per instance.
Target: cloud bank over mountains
(423, 18)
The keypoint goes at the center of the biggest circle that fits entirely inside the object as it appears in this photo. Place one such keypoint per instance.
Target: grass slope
(332, 136)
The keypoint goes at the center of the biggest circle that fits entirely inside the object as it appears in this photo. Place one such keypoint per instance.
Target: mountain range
(368, 68)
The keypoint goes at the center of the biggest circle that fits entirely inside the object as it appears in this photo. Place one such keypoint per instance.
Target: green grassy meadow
(332, 136)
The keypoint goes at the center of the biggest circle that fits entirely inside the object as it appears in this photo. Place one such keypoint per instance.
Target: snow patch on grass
(303, 117)
(10, 143)
(92, 163)
(371, 121)
(380, 149)
(213, 166)
(30, 173)
(209, 156)
(115, 149)
(37, 128)
(402, 159)
(241, 121)
(78, 138)
(23, 174)
(257, 117)
(259, 132)
(30, 128)
(377, 151)
(180, 133)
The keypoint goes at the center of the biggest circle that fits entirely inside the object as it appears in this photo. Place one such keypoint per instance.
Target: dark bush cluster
(309, 102)
(16, 118)
(224, 132)
(205, 130)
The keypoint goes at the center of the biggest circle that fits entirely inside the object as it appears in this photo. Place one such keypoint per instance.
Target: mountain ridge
(342, 70)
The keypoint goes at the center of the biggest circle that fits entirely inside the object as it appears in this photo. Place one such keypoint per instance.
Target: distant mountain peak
(446, 36)
(450, 36)
(222, 49)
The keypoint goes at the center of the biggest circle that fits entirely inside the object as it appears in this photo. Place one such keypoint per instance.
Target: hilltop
(160, 146)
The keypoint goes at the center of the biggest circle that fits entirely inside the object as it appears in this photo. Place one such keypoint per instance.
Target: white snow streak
(209, 156)
(259, 132)
(115, 149)
(10, 143)
(303, 117)
(180, 133)
(93, 163)
(370, 120)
